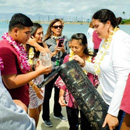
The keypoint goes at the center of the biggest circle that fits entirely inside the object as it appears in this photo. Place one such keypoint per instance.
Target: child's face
(77, 47)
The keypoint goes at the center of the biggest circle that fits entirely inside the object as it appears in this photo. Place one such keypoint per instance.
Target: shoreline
(66, 22)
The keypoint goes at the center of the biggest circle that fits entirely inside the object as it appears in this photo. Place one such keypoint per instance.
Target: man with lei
(16, 66)
(12, 111)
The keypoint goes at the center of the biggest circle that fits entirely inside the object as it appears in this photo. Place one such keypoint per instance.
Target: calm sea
(69, 29)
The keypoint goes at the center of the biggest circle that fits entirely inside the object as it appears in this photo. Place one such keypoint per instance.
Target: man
(12, 116)
(14, 74)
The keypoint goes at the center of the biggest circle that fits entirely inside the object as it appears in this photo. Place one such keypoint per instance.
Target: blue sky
(79, 8)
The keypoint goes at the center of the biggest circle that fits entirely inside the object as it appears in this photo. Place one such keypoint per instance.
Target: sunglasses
(60, 26)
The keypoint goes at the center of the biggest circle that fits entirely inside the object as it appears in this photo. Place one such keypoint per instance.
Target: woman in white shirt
(112, 63)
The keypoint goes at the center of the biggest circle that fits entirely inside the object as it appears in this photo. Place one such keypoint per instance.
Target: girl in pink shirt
(78, 47)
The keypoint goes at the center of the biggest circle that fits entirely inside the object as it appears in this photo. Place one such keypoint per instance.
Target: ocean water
(69, 29)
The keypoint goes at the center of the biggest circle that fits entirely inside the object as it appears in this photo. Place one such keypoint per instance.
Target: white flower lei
(89, 58)
(102, 52)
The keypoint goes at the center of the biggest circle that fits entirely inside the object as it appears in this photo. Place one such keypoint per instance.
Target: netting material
(85, 94)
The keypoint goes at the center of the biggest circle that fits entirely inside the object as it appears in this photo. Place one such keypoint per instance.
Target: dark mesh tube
(87, 97)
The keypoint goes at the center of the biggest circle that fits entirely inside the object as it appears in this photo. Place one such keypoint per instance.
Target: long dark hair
(83, 38)
(34, 29)
(49, 32)
(104, 15)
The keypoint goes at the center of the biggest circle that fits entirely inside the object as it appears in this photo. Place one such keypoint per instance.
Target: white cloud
(70, 10)
(84, 8)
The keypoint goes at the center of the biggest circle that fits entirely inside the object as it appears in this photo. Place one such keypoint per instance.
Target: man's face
(23, 35)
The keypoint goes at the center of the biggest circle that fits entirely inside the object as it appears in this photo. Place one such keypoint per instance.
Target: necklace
(31, 55)
(1, 64)
(89, 58)
(103, 51)
(20, 51)
(56, 37)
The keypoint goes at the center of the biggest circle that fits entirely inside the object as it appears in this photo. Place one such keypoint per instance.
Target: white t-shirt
(90, 39)
(115, 68)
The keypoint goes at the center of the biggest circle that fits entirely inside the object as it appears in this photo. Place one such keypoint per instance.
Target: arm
(88, 66)
(14, 80)
(64, 48)
(121, 67)
(37, 90)
(32, 42)
(21, 104)
(61, 98)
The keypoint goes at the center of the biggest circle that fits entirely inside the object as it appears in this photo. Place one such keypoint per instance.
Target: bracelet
(31, 83)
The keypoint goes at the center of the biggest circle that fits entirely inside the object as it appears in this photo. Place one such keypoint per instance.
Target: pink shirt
(125, 104)
(70, 101)
(96, 40)
(12, 66)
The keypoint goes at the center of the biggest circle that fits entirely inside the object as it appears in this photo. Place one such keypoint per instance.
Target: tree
(123, 14)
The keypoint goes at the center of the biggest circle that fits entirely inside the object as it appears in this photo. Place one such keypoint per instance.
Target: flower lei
(89, 58)
(20, 51)
(102, 52)
(31, 55)
(1, 64)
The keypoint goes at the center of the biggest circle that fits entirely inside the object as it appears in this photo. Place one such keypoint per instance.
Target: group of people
(22, 71)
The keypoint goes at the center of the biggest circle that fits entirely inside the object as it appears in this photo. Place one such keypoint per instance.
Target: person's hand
(112, 121)
(80, 60)
(39, 94)
(55, 52)
(21, 104)
(62, 101)
(61, 48)
(38, 91)
(43, 69)
(32, 42)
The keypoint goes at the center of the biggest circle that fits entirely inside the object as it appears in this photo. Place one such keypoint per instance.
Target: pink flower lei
(1, 64)
(20, 51)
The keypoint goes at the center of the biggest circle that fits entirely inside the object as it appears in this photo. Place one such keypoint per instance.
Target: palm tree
(123, 14)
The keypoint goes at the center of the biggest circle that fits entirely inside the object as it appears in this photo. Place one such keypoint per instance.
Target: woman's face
(101, 29)
(77, 47)
(39, 35)
(57, 28)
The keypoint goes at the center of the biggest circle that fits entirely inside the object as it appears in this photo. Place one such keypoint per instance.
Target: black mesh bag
(85, 94)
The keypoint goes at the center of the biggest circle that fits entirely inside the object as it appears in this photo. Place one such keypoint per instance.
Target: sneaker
(60, 118)
(47, 123)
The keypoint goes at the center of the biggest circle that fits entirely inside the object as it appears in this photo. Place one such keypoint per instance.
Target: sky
(75, 8)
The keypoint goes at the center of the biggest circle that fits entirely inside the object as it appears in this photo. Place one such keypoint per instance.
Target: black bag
(85, 94)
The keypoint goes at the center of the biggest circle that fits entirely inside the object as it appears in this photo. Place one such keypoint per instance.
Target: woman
(34, 47)
(125, 106)
(53, 38)
(112, 63)
(78, 47)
